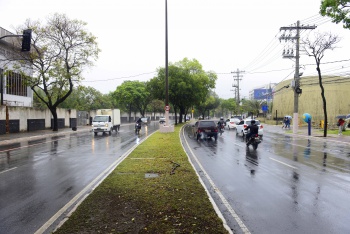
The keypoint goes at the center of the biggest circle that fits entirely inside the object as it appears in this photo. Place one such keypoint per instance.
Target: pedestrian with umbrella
(287, 121)
(340, 125)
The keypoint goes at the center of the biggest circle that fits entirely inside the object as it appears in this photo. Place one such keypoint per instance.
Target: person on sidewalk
(284, 122)
(340, 125)
(287, 123)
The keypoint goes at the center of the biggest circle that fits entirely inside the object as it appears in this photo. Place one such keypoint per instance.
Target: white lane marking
(217, 191)
(8, 170)
(283, 163)
(97, 181)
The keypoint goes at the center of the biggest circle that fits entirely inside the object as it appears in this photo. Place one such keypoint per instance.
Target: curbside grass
(154, 190)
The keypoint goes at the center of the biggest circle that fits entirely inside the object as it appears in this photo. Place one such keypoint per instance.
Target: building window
(15, 84)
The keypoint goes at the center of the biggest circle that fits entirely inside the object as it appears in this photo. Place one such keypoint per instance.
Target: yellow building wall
(337, 93)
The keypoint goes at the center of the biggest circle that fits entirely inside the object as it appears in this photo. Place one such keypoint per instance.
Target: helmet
(221, 118)
(253, 121)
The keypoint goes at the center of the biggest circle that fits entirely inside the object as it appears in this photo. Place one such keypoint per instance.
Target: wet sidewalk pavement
(303, 133)
(10, 138)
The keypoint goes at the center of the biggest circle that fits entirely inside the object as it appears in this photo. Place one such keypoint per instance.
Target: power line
(268, 71)
(297, 89)
(272, 58)
(120, 78)
(337, 61)
(263, 52)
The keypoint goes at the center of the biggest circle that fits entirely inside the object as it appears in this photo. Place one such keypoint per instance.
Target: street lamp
(166, 66)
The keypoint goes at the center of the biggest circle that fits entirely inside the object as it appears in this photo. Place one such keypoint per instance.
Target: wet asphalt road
(288, 185)
(39, 177)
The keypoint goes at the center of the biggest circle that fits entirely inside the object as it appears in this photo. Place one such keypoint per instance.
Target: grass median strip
(154, 190)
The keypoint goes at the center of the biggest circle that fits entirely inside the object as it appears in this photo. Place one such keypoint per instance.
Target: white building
(262, 93)
(13, 91)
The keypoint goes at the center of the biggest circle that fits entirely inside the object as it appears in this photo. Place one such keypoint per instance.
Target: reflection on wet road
(39, 177)
(287, 185)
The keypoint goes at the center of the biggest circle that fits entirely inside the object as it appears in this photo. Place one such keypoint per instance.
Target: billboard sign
(262, 94)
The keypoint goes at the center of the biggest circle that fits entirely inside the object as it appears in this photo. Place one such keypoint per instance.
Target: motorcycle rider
(138, 122)
(221, 123)
(254, 129)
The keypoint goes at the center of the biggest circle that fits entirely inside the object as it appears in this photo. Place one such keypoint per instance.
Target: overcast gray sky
(223, 35)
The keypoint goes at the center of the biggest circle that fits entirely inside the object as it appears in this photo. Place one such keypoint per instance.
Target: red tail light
(244, 126)
(215, 130)
(261, 127)
(232, 122)
(199, 130)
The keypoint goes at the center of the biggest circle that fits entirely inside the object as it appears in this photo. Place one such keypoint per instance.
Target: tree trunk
(175, 115)
(181, 114)
(129, 113)
(325, 126)
(55, 119)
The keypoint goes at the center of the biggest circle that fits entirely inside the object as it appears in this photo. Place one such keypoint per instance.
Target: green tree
(252, 106)
(133, 96)
(211, 102)
(60, 50)
(156, 106)
(87, 98)
(189, 85)
(228, 106)
(338, 10)
(316, 48)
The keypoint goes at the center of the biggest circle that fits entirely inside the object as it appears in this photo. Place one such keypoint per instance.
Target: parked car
(161, 119)
(231, 123)
(244, 123)
(146, 120)
(205, 129)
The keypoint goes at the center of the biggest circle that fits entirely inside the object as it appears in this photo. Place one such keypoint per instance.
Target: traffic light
(298, 90)
(27, 37)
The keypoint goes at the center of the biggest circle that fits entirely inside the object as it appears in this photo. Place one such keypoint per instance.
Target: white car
(162, 120)
(244, 123)
(231, 123)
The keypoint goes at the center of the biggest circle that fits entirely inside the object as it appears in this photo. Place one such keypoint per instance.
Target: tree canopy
(189, 85)
(87, 98)
(316, 48)
(60, 50)
(338, 10)
(133, 96)
(228, 107)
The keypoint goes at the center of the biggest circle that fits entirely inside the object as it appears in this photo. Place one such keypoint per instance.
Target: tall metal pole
(166, 66)
(296, 80)
(238, 78)
(297, 90)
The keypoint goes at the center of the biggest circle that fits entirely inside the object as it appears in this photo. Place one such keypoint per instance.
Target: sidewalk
(303, 132)
(10, 138)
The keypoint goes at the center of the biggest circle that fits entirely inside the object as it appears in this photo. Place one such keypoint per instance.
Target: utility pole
(290, 54)
(237, 77)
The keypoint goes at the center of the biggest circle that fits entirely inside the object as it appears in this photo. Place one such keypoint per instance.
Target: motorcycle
(137, 127)
(254, 141)
(221, 128)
